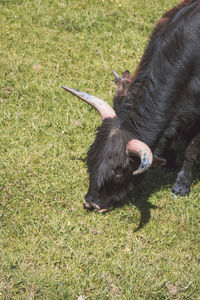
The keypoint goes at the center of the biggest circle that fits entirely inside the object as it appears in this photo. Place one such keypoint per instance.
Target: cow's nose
(87, 205)
(90, 206)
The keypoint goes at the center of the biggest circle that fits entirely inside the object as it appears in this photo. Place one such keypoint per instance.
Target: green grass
(50, 247)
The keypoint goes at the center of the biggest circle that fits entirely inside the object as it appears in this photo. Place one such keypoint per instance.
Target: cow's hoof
(180, 190)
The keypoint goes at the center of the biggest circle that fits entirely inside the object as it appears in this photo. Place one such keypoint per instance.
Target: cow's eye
(117, 175)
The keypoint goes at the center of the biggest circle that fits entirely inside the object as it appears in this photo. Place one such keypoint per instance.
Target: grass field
(50, 247)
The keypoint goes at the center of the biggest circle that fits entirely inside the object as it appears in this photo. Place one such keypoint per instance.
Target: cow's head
(115, 159)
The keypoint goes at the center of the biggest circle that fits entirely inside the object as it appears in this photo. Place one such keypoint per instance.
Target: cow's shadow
(151, 183)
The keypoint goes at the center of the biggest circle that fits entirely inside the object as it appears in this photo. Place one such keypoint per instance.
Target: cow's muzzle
(95, 207)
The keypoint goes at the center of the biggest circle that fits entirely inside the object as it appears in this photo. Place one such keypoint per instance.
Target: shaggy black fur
(160, 104)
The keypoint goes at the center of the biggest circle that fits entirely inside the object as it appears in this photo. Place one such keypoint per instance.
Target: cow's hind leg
(184, 178)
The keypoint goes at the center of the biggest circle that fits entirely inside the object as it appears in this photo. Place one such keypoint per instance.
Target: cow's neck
(148, 113)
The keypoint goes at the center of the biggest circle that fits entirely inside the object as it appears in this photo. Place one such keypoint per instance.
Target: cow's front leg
(184, 178)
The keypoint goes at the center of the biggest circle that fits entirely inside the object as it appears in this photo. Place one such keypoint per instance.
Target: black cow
(159, 104)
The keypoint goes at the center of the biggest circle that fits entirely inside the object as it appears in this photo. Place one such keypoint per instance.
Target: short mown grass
(50, 247)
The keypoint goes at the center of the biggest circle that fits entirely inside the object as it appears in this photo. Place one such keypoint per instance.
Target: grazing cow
(154, 107)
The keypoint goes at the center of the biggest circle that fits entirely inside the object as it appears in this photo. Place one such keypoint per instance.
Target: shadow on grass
(152, 183)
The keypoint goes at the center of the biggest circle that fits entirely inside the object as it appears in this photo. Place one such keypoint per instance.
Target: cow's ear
(126, 74)
(158, 162)
(120, 80)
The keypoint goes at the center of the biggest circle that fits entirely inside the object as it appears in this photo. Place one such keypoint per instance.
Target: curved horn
(105, 110)
(141, 150)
